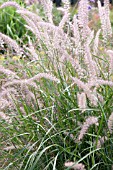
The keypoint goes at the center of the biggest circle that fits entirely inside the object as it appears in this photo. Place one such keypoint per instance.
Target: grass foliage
(44, 129)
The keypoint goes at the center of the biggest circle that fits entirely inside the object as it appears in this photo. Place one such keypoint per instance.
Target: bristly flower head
(89, 121)
(5, 117)
(10, 42)
(10, 3)
(82, 103)
(75, 166)
(104, 13)
(48, 7)
(110, 123)
(101, 141)
(83, 17)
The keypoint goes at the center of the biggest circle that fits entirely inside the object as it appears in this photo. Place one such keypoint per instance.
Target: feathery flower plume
(101, 141)
(5, 91)
(30, 2)
(83, 17)
(77, 36)
(13, 147)
(8, 148)
(82, 103)
(29, 96)
(31, 22)
(63, 21)
(10, 3)
(106, 5)
(83, 12)
(89, 63)
(80, 84)
(61, 9)
(104, 82)
(99, 82)
(75, 64)
(74, 166)
(76, 32)
(20, 82)
(34, 17)
(105, 20)
(102, 19)
(110, 123)
(66, 5)
(30, 80)
(48, 7)
(47, 25)
(89, 121)
(10, 42)
(96, 42)
(65, 18)
(32, 50)
(5, 117)
(4, 103)
(90, 38)
(85, 87)
(8, 72)
(31, 25)
(44, 75)
(110, 53)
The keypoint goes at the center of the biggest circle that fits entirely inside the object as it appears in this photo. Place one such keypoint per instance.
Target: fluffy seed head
(89, 121)
(75, 166)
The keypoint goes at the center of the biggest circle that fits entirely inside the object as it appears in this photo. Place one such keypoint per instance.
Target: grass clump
(56, 91)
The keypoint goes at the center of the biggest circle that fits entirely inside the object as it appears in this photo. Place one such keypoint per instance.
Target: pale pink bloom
(66, 16)
(66, 5)
(83, 18)
(76, 28)
(105, 20)
(89, 63)
(10, 3)
(76, 33)
(44, 75)
(83, 13)
(90, 38)
(20, 82)
(61, 9)
(34, 17)
(110, 53)
(75, 64)
(99, 82)
(63, 21)
(86, 88)
(110, 123)
(104, 82)
(32, 50)
(8, 148)
(75, 166)
(82, 103)
(5, 117)
(12, 43)
(30, 80)
(89, 121)
(8, 72)
(48, 7)
(32, 26)
(4, 103)
(30, 2)
(96, 42)
(101, 141)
